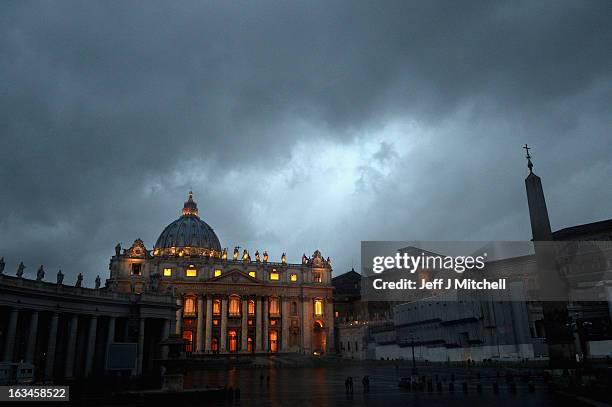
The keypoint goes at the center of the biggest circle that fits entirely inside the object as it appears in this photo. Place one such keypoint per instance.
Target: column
(285, 323)
(110, 338)
(179, 317)
(71, 347)
(223, 344)
(9, 347)
(200, 327)
(91, 345)
(245, 328)
(50, 364)
(32, 334)
(329, 324)
(208, 333)
(165, 335)
(258, 344)
(141, 329)
(266, 322)
(306, 325)
(300, 306)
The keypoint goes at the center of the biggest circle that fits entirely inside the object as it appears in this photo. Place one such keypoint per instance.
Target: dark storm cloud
(109, 112)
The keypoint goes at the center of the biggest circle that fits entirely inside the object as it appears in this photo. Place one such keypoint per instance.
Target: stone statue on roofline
(118, 249)
(98, 282)
(20, 269)
(79, 281)
(40, 273)
(2, 265)
(60, 277)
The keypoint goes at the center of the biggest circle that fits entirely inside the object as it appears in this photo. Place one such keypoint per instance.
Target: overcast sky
(299, 125)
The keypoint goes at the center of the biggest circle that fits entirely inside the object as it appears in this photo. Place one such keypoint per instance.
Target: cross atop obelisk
(528, 157)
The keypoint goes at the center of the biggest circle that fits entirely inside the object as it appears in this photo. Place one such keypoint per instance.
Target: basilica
(237, 302)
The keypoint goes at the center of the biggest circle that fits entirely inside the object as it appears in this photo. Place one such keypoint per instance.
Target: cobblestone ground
(325, 386)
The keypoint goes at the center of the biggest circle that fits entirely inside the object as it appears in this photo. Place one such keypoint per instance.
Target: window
(273, 306)
(191, 271)
(217, 272)
(136, 269)
(217, 307)
(167, 272)
(274, 275)
(234, 306)
(250, 344)
(251, 307)
(318, 307)
(189, 306)
(293, 277)
(253, 274)
(316, 277)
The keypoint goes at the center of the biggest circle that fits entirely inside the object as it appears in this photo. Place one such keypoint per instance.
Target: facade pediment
(234, 277)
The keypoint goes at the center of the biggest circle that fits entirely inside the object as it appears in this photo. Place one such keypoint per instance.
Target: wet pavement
(325, 386)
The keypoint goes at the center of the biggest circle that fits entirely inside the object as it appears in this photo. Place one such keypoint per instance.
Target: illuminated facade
(234, 304)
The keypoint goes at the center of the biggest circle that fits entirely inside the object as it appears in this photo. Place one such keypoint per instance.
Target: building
(67, 331)
(354, 318)
(476, 326)
(231, 303)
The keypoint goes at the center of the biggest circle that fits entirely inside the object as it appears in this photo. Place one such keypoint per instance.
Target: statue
(265, 256)
(257, 258)
(98, 282)
(40, 273)
(304, 259)
(60, 277)
(79, 281)
(20, 269)
(235, 253)
(2, 264)
(224, 255)
(246, 256)
(328, 260)
(283, 258)
(118, 250)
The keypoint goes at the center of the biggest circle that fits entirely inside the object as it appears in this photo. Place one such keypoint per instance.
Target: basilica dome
(188, 235)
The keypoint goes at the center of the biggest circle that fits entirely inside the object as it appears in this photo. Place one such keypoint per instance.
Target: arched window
(273, 306)
(318, 307)
(251, 307)
(189, 307)
(234, 306)
(233, 340)
(217, 307)
(214, 345)
(250, 345)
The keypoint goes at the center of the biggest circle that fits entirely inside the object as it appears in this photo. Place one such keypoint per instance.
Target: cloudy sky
(299, 125)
